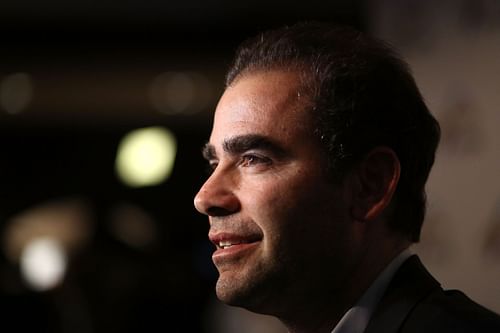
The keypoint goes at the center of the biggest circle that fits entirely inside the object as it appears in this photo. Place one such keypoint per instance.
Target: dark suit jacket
(415, 302)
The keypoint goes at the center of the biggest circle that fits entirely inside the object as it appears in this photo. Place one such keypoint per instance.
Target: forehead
(269, 103)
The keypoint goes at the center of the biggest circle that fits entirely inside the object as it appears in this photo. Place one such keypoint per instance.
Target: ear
(376, 177)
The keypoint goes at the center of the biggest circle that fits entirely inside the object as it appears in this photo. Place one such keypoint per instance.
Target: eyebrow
(242, 143)
(208, 152)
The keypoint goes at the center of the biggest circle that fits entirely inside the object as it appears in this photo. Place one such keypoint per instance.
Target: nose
(216, 196)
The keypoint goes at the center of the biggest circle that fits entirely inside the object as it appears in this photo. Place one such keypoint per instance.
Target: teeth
(227, 244)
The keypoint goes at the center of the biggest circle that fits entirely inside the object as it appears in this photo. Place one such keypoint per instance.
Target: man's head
(318, 129)
(362, 96)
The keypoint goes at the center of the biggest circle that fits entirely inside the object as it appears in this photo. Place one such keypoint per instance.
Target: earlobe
(376, 180)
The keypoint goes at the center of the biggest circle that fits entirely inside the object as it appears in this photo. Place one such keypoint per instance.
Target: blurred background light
(146, 156)
(43, 263)
(132, 225)
(67, 220)
(180, 92)
(16, 92)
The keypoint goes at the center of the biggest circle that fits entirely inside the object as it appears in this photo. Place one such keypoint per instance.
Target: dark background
(92, 62)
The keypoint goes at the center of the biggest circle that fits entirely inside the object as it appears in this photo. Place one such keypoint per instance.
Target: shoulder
(451, 311)
(415, 302)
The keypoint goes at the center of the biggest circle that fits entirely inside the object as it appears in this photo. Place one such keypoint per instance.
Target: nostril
(216, 197)
(218, 211)
(213, 204)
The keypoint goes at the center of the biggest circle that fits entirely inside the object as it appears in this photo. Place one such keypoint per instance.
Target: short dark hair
(364, 96)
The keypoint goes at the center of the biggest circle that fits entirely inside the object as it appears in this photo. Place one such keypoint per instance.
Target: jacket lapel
(411, 283)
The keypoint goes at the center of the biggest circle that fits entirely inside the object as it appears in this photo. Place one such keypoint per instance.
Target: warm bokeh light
(67, 219)
(180, 92)
(43, 263)
(16, 92)
(146, 156)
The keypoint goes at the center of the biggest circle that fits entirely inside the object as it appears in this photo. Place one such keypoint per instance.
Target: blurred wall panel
(453, 48)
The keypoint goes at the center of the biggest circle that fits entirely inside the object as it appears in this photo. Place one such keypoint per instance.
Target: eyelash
(211, 167)
(251, 159)
(246, 160)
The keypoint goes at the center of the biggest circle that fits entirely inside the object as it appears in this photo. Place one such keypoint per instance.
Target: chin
(231, 292)
(251, 296)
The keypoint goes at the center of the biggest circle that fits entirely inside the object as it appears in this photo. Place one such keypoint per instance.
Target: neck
(320, 312)
(314, 315)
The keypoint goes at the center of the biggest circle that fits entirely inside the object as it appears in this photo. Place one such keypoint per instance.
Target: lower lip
(233, 252)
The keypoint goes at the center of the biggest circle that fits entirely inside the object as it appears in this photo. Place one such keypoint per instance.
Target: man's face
(280, 227)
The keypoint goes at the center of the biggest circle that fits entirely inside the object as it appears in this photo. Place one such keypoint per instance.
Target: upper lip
(231, 238)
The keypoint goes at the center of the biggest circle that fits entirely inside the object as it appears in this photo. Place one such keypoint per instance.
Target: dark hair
(364, 96)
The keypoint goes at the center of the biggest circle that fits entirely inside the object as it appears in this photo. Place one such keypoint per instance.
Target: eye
(212, 165)
(249, 160)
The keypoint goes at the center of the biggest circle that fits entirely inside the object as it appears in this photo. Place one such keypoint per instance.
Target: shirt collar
(356, 318)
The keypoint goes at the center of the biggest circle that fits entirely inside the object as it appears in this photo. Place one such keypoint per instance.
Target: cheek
(288, 205)
(272, 195)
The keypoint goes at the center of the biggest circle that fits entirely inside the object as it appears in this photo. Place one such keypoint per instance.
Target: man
(320, 150)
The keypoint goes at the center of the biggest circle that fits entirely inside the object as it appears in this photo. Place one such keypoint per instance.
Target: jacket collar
(411, 283)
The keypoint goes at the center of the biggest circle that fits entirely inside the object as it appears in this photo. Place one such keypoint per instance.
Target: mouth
(226, 240)
(232, 246)
(227, 244)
